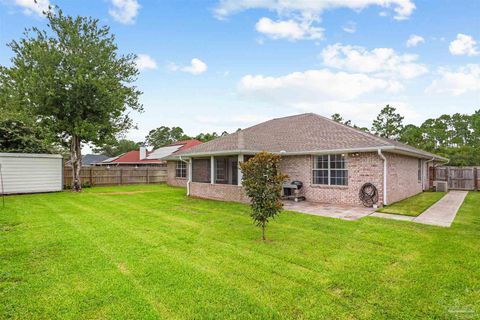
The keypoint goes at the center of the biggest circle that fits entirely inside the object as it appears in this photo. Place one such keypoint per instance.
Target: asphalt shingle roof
(306, 132)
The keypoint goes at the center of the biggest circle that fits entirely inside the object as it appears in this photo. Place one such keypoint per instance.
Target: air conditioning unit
(440, 186)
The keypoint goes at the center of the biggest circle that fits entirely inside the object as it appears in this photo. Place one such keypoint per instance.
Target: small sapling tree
(263, 184)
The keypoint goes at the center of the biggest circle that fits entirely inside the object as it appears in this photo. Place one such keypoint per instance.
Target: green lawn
(415, 205)
(115, 253)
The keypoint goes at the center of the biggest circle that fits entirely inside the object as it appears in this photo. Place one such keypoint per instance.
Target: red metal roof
(187, 144)
(134, 156)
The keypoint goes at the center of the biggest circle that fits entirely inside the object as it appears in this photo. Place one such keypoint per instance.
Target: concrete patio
(440, 214)
(328, 210)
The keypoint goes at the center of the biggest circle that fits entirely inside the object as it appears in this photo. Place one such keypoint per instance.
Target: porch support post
(240, 174)
(212, 169)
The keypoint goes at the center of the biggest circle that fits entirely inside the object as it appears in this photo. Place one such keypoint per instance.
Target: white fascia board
(392, 149)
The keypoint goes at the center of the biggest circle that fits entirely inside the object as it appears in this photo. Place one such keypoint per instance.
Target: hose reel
(368, 194)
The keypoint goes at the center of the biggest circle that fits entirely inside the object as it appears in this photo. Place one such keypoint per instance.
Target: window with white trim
(180, 169)
(330, 169)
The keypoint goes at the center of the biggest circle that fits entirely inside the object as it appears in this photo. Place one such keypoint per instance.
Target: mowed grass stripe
(118, 240)
(223, 255)
(369, 267)
(284, 269)
(62, 267)
(114, 263)
(272, 269)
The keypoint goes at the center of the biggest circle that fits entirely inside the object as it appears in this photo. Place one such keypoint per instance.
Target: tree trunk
(263, 232)
(76, 160)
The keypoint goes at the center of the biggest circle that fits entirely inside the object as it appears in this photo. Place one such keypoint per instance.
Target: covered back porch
(217, 177)
(218, 169)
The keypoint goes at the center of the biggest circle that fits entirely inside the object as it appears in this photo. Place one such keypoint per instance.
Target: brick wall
(224, 192)
(171, 179)
(402, 179)
(362, 168)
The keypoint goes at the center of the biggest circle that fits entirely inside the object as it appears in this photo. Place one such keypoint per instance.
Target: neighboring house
(145, 158)
(89, 160)
(331, 159)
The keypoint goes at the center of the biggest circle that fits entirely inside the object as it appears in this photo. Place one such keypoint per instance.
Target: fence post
(448, 178)
(121, 176)
(475, 178)
(91, 176)
(148, 178)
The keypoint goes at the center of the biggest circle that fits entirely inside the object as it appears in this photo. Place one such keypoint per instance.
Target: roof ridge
(291, 116)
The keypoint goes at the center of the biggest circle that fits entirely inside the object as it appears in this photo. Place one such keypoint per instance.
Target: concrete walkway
(440, 214)
(444, 211)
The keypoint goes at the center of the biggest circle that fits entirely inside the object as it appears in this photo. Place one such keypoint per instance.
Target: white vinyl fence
(30, 173)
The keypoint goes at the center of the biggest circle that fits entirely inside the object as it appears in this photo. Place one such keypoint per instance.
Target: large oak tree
(75, 80)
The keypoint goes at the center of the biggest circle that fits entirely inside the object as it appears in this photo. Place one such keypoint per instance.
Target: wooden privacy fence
(102, 176)
(458, 178)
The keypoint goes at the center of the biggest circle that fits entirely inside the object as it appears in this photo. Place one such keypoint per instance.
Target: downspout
(385, 202)
(447, 162)
(189, 174)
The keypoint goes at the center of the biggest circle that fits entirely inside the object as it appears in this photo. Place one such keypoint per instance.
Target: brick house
(331, 159)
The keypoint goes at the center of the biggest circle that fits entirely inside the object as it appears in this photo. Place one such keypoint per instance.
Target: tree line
(456, 136)
(156, 138)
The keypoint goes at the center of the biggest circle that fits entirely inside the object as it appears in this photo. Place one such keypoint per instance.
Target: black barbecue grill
(293, 191)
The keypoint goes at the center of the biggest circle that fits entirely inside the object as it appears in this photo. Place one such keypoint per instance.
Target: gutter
(399, 150)
(385, 202)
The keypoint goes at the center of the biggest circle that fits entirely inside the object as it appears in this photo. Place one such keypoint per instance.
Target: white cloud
(196, 67)
(145, 62)
(463, 80)
(29, 6)
(233, 120)
(310, 8)
(414, 40)
(288, 29)
(313, 87)
(350, 27)
(463, 45)
(124, 11)
(380, 61)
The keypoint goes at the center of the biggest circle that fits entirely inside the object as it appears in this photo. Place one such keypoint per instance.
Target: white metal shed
(30, 172)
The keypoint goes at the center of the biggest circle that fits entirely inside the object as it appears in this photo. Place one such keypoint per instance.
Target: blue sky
(220, 65)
